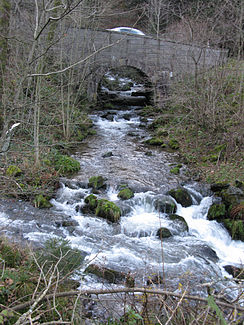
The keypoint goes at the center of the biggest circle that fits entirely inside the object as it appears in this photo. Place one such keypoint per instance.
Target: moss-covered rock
(218, 187)
(165, 204)
(125, 194)
(180, 221)
(108, 210)
(216, 211)
(110, 275)
(91, 202)
(13, 171)
(42, 202)
(155, 141)
(235, 228)
(231, 197)
(181, 196)
(97, 182)
(163, 233)
(175, 170)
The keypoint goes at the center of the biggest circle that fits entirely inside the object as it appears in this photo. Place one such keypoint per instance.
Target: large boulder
(179, 221)
(230, 211)
(163, 233)
(110, 275)
(165, 204)
(181, 196)
(108, 210)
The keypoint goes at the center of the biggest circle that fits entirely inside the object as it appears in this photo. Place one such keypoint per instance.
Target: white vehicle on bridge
(129, 30)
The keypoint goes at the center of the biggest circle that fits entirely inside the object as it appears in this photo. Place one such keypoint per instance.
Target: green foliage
(216, 211)
(212, 304)
(235, 228)
(66, 165)
(42, 202)
(175, 170)
(174, 144)
(58, 252)
(155, 141)
(10, 254)
(13, 171)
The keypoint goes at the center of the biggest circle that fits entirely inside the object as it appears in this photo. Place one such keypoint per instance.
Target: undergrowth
(205, 115)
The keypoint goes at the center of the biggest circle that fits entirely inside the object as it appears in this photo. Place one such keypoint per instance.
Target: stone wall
(158, 59)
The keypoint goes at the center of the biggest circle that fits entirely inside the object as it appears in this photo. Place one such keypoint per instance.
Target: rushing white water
(132, 246)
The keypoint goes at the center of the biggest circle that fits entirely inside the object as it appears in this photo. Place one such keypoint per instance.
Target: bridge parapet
(154, 57)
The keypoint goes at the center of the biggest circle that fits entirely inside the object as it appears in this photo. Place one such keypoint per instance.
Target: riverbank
(202, 119)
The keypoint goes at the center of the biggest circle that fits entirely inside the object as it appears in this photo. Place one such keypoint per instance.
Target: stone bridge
(158, 59)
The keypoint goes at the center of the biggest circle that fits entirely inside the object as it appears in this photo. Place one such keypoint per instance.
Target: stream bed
(118, 153)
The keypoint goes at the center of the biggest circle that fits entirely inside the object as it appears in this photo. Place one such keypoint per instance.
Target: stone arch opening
(124, 85)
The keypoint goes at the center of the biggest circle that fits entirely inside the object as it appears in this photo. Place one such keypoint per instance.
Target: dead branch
(123, 290)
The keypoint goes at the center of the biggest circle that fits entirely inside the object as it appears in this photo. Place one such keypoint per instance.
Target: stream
(118, 153)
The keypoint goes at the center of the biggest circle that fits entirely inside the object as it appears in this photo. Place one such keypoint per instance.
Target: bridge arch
(157, 58)
(137, 77)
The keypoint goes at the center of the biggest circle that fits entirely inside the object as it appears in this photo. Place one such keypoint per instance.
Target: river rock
(236, 272)
(179, 221)
(205, 252)
(108, 210)
(107, 154)
(181, 196)
(96, 182)
(163, 233)
(217, 187)
(110, 275)
(125, 194)
(165, 204)
(91, 203)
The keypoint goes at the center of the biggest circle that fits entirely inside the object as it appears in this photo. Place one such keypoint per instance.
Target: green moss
(13, 171)
(163, 233)
(42, 202)
(108, 210)
(126, 194)
(180, 219)
(175, 170)
(91, 201)
(96, 182)
(155, 141)
(181, 196)
(66, 165)
(235, 228)
(216, 211)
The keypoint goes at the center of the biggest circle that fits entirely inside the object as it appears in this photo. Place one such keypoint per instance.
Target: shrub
(66, 165)
(59, 251)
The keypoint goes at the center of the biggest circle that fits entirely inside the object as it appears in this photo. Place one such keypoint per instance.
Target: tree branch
(124, 290)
